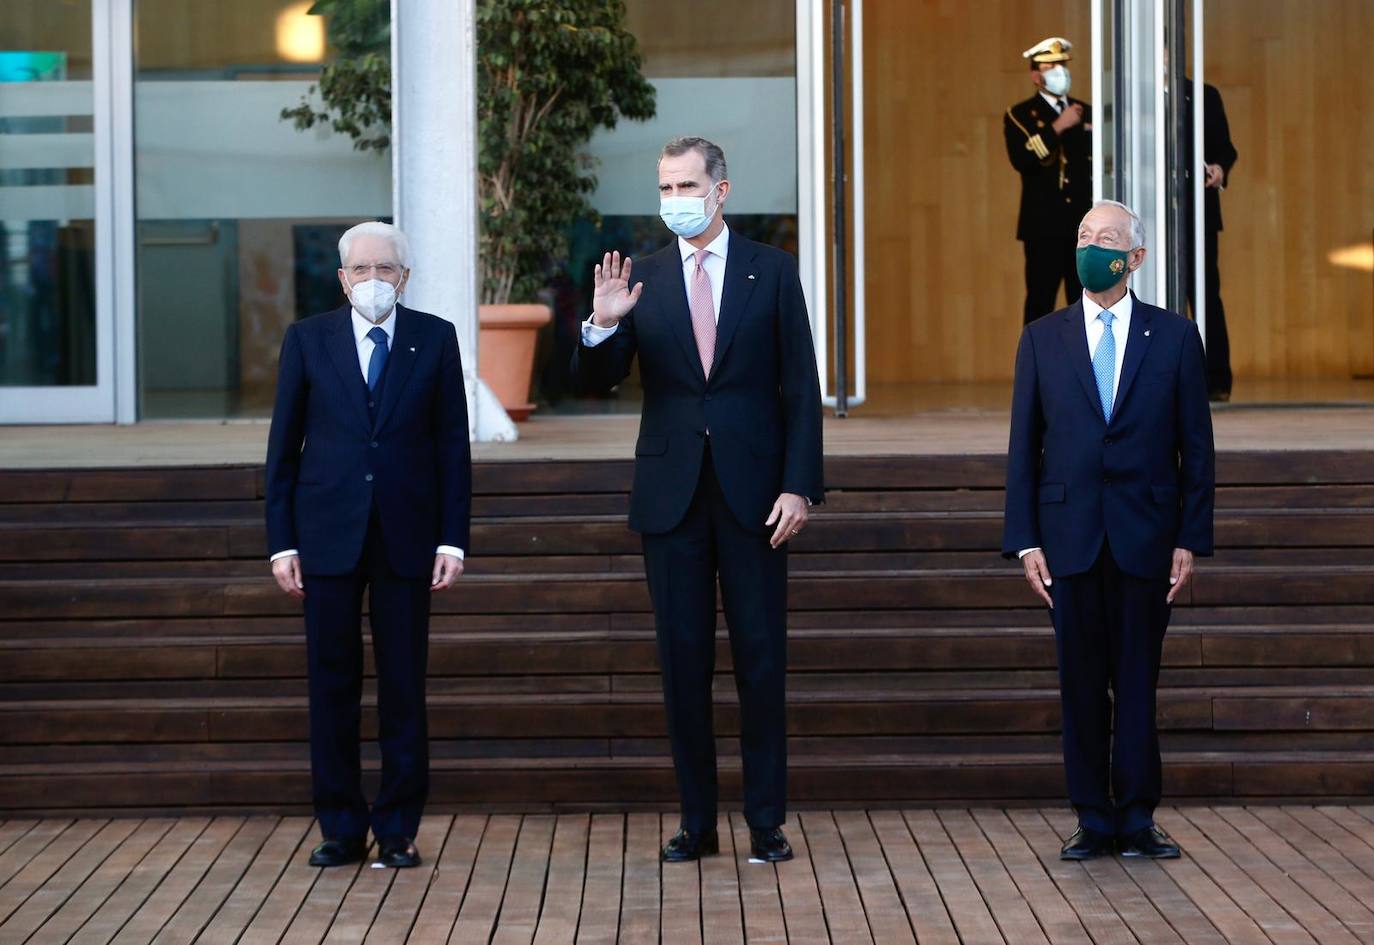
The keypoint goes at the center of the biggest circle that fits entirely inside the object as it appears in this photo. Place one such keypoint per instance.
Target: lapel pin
(751, 275)
(1147, 334)
(412, 350)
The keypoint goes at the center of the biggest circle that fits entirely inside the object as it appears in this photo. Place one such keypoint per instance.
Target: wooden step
(581, 783)
(1215, 584)
(527, 653)
(594, 709)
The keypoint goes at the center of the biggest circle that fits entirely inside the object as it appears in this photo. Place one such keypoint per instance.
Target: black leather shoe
(769, 846)
(339, 852)
(688, 845)
(1087, 844)
(1151, 843)
(398, 853)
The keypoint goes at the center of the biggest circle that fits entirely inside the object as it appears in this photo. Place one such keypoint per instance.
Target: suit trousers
(1051, 258)
(682, 566)
(1218, 341)
(1109, 634)
(399, 619)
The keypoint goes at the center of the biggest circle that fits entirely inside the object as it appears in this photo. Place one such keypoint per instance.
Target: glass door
(56, 325)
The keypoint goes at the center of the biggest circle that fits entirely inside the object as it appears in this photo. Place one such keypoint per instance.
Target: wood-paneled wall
(944, 270)
(1295, 80)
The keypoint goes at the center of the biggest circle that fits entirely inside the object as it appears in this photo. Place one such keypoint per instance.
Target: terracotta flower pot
(505, 352)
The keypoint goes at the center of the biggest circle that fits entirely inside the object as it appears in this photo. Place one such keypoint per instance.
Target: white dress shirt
(718, 250)
(1121, 330)
(361, 326)
(1058, 104)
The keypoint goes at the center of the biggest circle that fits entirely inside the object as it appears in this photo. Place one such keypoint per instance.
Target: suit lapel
(343, 351)
(1074, 335)
(399, 363)
(735, 294)
(675, 306)
(1137, 341)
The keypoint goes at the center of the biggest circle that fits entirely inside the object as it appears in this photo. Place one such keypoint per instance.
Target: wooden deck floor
(1259, 875)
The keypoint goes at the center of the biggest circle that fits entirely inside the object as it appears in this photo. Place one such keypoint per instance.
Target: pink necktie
(703, 313)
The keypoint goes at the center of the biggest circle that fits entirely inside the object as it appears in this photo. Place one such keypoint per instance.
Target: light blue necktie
(1104, 363)
(377, 362)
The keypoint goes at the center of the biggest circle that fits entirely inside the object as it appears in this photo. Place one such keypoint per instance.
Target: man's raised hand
(612, 298)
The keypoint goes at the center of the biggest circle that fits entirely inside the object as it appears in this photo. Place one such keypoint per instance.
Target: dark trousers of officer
(1051, 258)
(399, 618)
(1218, 342)
(682, 567)
(1109, 633)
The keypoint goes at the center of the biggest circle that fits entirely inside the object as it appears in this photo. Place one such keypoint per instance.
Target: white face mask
(373, 299)
(687, 216)
(1057, 80)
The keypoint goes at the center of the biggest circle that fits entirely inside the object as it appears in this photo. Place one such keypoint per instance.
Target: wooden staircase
(148, 662)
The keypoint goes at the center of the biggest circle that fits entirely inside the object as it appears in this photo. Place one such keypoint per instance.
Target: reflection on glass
(737, 89)
(239, 213)
(47, 199)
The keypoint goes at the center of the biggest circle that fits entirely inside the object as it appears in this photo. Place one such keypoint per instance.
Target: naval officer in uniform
(1049, 143)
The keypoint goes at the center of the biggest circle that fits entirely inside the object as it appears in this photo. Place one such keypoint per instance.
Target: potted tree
(549, 74)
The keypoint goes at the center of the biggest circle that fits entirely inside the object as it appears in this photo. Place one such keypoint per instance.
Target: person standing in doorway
(1049, 142)
(1218, 156)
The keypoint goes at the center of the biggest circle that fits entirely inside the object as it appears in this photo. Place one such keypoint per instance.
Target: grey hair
(1137, 228)
(709, 151)
(386, 231)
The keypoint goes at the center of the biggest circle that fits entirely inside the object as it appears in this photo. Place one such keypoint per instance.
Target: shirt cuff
(1022, 554)
(593, 334)
(283, 554)
(449, 550)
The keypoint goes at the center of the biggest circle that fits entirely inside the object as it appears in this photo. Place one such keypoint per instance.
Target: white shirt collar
(1055, 103)
(361, 326)
(720, 246)
(1122, 309)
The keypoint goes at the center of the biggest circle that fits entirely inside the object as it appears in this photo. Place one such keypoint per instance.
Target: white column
(434, 177)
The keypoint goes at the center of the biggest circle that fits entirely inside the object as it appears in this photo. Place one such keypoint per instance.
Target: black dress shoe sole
(1142, 855)
(756, 857)
(326, 862)
(400, 863)
(1075, 856)
(706, 848)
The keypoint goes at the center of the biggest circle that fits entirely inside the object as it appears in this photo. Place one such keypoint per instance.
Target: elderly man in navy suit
(727, 463)
(368, 489)
(1110, 483)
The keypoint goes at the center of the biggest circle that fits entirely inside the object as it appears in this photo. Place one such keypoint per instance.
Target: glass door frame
(111, 397)
(817, 229)
(1146, 172)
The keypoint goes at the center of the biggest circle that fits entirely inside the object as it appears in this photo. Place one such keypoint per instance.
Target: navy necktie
(377, 363)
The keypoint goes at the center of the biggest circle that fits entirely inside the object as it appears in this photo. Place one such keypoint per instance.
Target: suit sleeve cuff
(1025, 551)
(449, 550)
(593, 334)
(283, 554)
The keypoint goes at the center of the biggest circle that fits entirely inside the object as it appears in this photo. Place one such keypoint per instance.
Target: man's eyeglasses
(385, 270)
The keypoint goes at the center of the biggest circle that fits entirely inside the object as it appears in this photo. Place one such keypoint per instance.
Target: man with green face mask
(1110, 482)
(1048, 138)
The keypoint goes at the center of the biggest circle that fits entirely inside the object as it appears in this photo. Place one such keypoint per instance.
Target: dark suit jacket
(1216, 147)
(761, 405)
(1144, 482)
(1056, 170)
(327, 461)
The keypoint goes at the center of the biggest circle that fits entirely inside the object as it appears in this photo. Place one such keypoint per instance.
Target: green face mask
(1100, 268)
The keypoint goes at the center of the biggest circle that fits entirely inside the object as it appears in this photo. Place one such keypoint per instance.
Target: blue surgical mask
(1058, 80)
(687, 216)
